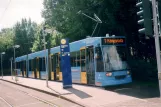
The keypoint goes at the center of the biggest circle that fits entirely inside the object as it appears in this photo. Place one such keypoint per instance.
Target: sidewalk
(86, 95)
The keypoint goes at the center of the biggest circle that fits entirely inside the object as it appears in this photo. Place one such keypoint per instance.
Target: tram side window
(24, 65)
(78, 59)
(17, 65)
(30, 65)
(53, 62)
(99, 60)
(21, 65)
(42, 64)
(57, 60)
(33, 65)
(73, 58)
(83, 60)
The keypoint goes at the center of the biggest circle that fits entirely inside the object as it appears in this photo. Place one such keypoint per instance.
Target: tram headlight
(128, 72)
(108, 74)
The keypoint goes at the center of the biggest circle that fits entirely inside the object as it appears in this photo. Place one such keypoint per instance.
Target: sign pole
(65, 63)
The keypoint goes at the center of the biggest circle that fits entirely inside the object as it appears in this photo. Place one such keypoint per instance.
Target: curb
(46, 92)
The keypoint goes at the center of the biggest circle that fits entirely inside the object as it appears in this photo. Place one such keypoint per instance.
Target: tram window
(16, 64)
(83, 60)
(43, 64)
(33, 65)
(122, 53)
(24, 65)
(99, 60)
(21, 65)
(115, 58)
(57, 60)
(78, 59)
(30, 65)
(40, 64)
(52, 62)
(32, 62)
(73, 59)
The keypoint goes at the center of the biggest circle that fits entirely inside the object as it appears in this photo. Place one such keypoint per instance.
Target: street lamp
(1, 63)
(44, 34)
(44, 41)
(11, 67)
(96, 19)
(14, 47)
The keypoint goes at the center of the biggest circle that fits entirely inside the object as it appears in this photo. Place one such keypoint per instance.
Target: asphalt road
(12, 95)
(143, 90)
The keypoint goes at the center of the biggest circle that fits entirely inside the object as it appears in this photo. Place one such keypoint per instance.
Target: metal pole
(90, 17)
(94, 29)
(14, 62)
(157, 45)
(14, 58)
(45, 58)
(1, 66)
(11, 69)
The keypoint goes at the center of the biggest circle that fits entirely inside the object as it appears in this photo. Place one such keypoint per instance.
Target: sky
(18, 9)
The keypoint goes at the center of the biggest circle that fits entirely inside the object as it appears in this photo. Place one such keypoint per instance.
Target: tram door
(53, 67)
(58, 72)
(90, 65)
(37, 68)
(83, 65)
(34, 67)
(24, 68)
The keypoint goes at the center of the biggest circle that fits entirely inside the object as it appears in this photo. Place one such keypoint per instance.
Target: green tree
(64, 16)
(6, 39)
(25, 35)
(52, 39)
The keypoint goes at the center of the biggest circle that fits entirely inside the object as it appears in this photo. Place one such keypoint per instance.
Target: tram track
(30, 95)
(8, 104)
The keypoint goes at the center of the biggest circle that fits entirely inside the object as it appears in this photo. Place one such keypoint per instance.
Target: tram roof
(79, 44)
(91, 41)
(21, 58)
(42, 53)
(76, 45)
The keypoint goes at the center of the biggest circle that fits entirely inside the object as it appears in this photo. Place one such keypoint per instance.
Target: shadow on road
(58, 92)
(141, 90)
(79, 93)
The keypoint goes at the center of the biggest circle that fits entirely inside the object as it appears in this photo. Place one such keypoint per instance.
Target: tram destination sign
(113, 41)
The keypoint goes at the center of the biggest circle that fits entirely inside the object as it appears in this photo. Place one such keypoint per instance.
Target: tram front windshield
(114, 58)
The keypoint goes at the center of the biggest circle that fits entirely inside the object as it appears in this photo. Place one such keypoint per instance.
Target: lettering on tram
(110, 41)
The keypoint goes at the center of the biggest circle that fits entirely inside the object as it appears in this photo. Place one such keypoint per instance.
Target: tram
(98, 61)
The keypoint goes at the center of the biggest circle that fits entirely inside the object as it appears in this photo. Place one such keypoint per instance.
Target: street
(17, 96)
(137, 89)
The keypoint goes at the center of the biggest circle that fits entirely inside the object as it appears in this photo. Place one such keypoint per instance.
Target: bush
(142, 70)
